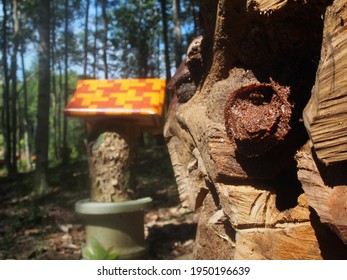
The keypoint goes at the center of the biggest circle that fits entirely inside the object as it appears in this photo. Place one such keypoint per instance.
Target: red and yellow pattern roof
(117, 98)
(139, 100)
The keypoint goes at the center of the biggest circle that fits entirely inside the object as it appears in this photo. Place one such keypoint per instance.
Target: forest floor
(48, 228)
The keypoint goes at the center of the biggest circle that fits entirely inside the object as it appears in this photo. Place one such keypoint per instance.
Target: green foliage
(98, 252)
(1, 141)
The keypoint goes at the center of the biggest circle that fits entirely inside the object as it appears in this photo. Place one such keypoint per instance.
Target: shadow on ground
(48, 228)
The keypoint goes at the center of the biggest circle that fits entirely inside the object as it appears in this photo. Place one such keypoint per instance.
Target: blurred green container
(117, 226)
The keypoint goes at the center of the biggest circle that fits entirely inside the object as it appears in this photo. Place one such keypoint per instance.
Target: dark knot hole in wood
(257, 117)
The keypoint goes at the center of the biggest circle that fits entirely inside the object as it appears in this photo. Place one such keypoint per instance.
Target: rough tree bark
(14, 91)
(111, 154)
(65, 154)
(85, 40)
(96, 30)
(165, 39)
(177, 31)
(26, 124)
(105, 36)
(6, 121)
(236, 136)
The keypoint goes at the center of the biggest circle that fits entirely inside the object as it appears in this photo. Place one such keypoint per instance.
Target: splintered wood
(266, 5)
(325, 115)
(325, 189)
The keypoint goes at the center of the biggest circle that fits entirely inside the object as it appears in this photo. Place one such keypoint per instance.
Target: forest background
(46, 46)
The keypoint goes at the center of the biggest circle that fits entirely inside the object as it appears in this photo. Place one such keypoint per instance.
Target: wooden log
(206, 164)
(325, 189)
(253, 203)
(325, 115)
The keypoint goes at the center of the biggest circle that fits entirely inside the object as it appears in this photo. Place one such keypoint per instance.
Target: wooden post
(111, 165)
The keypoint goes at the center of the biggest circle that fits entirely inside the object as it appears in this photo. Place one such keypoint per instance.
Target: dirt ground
(48, 228)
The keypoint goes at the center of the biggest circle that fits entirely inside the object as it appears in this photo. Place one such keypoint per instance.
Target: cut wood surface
(266, 5)
(325, 115)
(325, 189)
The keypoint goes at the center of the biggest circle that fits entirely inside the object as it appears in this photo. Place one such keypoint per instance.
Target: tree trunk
(166, 52)
(234, 129)
(42, 132)
(55, 135)
(6, 90)
(65, 151)
(166, 44)
(14, 92)
(54, 88)
(177, 32)
(142, 45)
(195, 17)
(59, 106)
(26, 121)
(26, 124)
(85, 43)
(95, 40)
(105, 39)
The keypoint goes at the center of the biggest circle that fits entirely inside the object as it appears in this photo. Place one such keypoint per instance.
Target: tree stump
(235, 134)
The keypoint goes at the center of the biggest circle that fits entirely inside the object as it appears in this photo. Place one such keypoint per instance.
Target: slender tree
(6, 89)
(105, 36)
(194, 14)
(26, 130)
(96, 31)
(85, 43)
(177, 32)
(14, 93)
(55, 99)
(26, 122)
(65, 153)
(42, 132)
(165, 39)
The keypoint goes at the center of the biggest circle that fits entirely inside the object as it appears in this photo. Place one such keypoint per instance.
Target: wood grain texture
(325, 115)
(266, 5)
(326, 191)
(253, 207)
